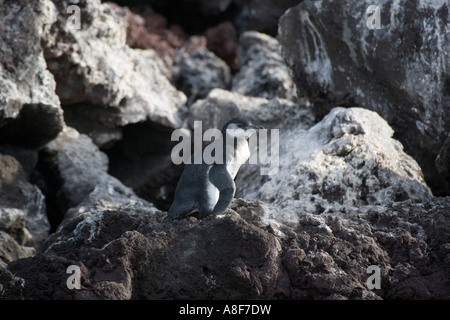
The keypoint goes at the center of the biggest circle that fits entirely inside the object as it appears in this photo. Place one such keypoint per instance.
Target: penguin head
(240, 129)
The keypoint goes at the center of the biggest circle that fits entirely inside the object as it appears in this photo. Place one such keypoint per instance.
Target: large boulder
(222, 105)
(347, 160)
(106, 84)
(263, 71)
(400, 70)
(30, 112)
(81, 171)
(334, 255)
(200, 71)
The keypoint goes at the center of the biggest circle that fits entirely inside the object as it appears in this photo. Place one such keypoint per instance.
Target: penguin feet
(227, 211)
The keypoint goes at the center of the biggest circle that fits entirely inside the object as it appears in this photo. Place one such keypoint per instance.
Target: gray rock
(30, 112)
(22, 205)
(400, 70)
(347, 160)
(82, 168)
(200, 71)
(263, 71)
(222, 105)
(95, 68)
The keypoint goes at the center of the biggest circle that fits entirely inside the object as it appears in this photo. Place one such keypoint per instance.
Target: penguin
(210, 188)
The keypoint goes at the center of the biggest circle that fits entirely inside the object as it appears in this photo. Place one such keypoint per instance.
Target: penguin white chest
(238, 158)
(213, 195)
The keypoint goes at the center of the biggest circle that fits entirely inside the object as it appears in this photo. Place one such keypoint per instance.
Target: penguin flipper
(222, 180)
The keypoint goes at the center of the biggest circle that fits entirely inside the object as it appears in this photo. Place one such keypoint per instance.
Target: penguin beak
(252, 126)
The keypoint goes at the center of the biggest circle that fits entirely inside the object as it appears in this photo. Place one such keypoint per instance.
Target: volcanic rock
(103, 79)
(347, 160)
(399, 70)
(30, 112)
(263, 71)
(200, 71)
(22, 205)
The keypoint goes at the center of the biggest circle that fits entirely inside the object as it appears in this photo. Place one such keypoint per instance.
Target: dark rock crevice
(142, 161)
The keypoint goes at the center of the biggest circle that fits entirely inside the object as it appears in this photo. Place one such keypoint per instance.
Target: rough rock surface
(97, 72)
(399, 239)
(276, 113)
(263, 71)
(400, 70)
(81, 169)
(30, 112)
(22, 205)
(130, 254)
(200, 71)
(349, 159)
(11, 250)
